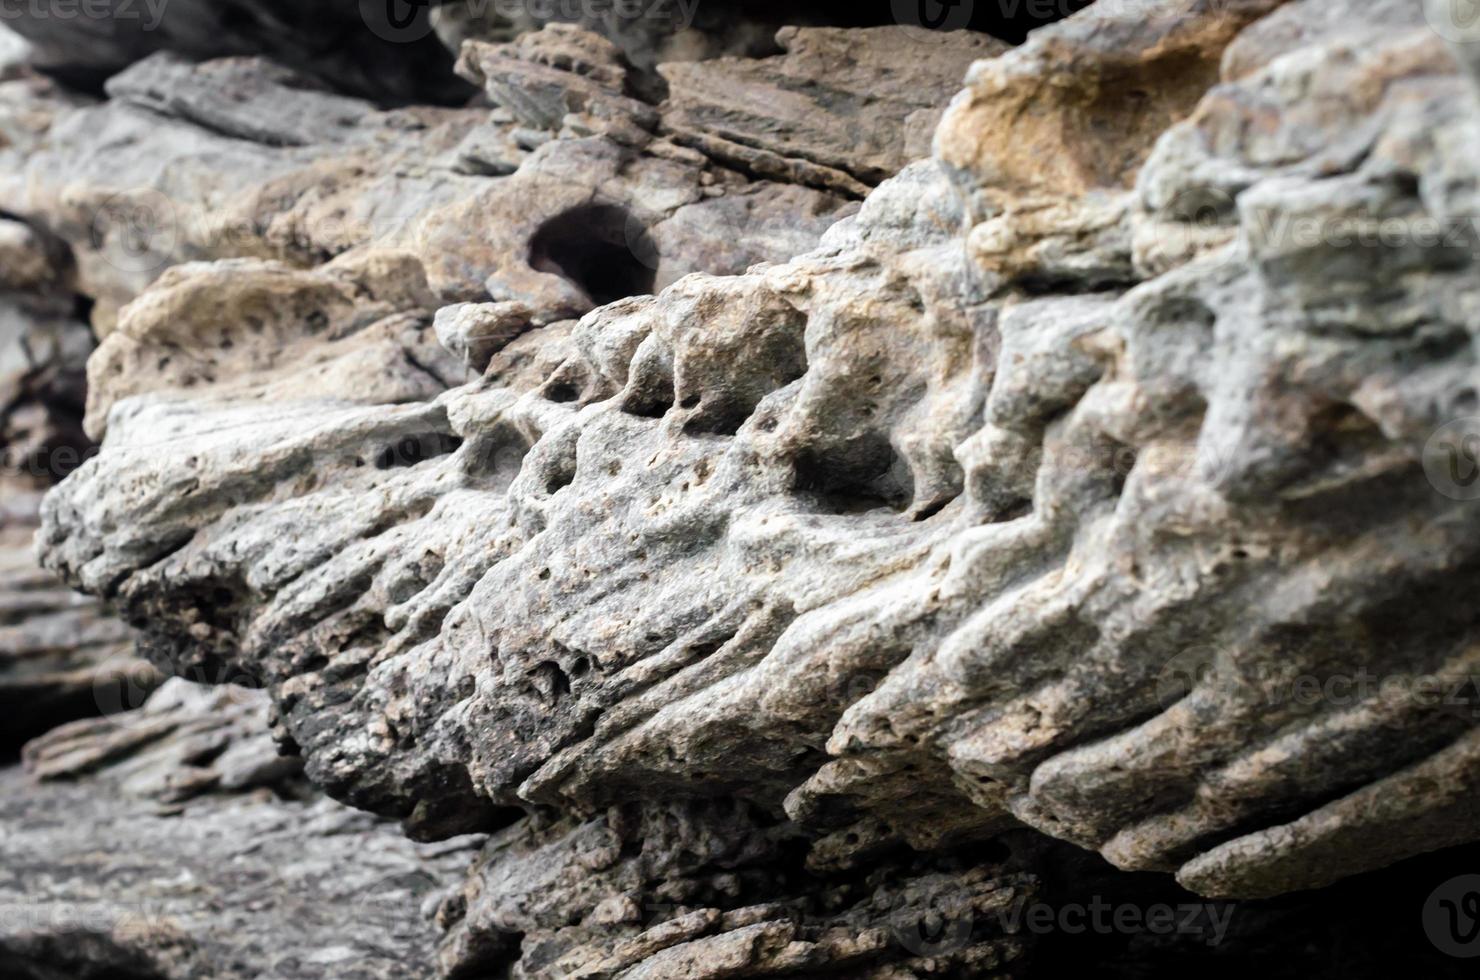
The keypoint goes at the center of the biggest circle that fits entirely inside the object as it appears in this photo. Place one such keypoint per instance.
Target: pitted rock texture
(595, 472)
(240, 157)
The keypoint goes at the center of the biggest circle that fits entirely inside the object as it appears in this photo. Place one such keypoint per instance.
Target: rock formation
(789, 506)
(61, 656)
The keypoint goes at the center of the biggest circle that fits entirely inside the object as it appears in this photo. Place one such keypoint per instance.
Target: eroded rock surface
(604, 478)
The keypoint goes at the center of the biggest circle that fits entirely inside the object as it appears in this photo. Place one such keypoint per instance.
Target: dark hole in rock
(551, 681)
(496, 456)
(560, 476)
(860, 475)
(990, 852)
(933, 508)
(722, 411)
(650, 397)
(448, 806)
(1010, 509)
(724, 420)
(561, 391)
(600, 248)
(1182, 312)
(1077, 284)
(413, 449)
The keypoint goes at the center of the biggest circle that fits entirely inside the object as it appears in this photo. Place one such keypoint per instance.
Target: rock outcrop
(773, 524)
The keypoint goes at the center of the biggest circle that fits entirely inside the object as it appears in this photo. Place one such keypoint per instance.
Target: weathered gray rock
(241, 158)
(1101, 478)
(840, 109)
(684, 557)
(61, 656)
(184, 740)
(235, 886)
(647, 34)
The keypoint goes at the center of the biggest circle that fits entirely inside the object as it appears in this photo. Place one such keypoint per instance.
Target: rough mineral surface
(801, 503)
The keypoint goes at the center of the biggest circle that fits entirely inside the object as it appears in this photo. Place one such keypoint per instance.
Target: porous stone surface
(594, 470)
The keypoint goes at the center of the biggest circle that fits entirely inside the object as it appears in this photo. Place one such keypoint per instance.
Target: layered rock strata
(62, 656)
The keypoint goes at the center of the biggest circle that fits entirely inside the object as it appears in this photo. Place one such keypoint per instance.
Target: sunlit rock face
(787, 496)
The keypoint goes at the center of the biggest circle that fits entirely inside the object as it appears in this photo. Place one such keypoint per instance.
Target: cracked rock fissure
(772, 493)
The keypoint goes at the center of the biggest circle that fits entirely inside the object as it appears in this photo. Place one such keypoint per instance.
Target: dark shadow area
(1370, 927)
(74, 955)
(862, 475)
(382, 50)
(600, 248)
(388, 51)
(1010, 20)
